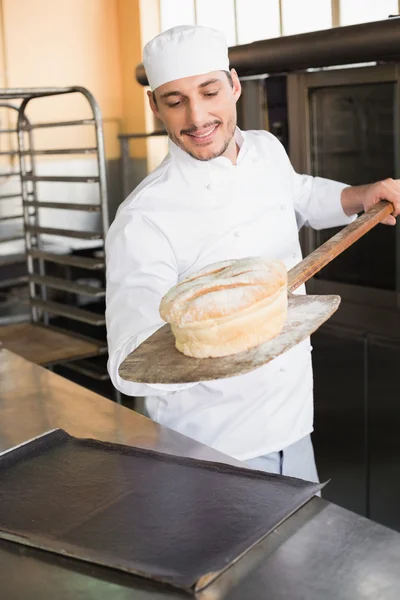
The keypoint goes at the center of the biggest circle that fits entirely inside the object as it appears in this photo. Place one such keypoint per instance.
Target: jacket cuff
(327, 199)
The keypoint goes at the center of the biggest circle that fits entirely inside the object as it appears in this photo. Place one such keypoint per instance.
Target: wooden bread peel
(157, 360)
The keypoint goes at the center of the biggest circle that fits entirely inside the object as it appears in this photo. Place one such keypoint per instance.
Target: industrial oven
(343, 123)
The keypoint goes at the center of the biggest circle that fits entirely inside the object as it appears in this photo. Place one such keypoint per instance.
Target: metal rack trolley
(50, 344)
(11, 230)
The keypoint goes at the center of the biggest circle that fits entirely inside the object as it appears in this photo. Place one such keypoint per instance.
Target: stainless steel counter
(321, 552)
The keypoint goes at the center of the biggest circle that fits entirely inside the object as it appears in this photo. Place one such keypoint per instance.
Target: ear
(237, 88)
(152, 103)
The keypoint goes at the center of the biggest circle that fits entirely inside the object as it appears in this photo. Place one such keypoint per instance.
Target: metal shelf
(62, 205)
(86, 367)
(82, 235)
(9, 196)
(11, 238)
(68, 286)
(59, 124)
(93, 264)
(6, 283)
(71, 312)
(52, 152)
(11, 217)
(60, 179)
(55, 151)
(101, 349)
(12, 259)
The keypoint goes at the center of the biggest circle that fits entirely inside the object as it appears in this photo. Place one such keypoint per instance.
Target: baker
(219, 194)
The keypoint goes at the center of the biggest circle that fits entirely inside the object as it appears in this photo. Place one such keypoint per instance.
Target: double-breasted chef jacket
(184, 216)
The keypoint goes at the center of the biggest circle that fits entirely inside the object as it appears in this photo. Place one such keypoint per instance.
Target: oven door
(344, 125)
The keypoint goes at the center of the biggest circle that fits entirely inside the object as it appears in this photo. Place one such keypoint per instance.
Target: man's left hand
(363, 197)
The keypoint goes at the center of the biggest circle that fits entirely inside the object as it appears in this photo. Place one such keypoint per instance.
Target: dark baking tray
(176, 520)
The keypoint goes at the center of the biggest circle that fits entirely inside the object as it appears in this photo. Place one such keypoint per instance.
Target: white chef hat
(184, 51)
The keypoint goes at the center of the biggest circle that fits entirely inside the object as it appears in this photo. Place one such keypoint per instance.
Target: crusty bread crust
(227, 307)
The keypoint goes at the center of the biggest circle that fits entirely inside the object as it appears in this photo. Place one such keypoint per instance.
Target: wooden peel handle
(323, 255)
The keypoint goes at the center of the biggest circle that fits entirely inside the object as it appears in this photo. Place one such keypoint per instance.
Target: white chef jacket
(182, 217)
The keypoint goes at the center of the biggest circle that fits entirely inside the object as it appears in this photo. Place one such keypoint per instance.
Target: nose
(197, 113)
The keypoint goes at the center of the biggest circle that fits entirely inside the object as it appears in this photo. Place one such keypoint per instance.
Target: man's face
(199, 113)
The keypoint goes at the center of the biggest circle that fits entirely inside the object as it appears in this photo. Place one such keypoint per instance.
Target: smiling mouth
(203, 136)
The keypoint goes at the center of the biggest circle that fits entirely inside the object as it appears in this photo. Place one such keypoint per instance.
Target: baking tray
(176, 520)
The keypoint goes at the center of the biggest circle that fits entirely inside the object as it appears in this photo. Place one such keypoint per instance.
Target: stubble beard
(231, 126)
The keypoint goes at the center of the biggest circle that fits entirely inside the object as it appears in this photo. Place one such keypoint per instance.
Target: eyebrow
(178, 93)
(168, 94)
(209, 82)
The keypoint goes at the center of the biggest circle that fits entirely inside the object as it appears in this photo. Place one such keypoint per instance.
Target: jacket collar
(214, 170)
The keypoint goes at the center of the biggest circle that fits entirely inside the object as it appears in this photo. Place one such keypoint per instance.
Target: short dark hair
(227, 73)
(229, 76)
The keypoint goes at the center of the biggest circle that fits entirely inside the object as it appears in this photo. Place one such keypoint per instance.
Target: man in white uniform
(219, 194)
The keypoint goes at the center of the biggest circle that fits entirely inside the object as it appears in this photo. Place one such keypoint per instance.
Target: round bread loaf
(227, 307)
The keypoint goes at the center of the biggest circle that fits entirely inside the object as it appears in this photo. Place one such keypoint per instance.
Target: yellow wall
(3, 81)
(64, 42)
(151, 26)
(92, 43)
(133, 94)
(139, 22)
